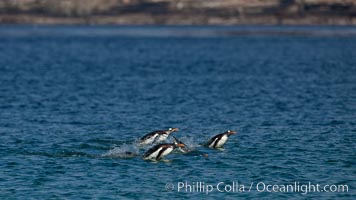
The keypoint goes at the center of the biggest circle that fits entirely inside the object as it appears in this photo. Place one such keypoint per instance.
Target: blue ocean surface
(75, 99)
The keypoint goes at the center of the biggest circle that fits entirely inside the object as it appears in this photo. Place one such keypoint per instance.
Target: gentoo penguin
(160, 150)
(184, 149)
(158, 136)
(219, 140)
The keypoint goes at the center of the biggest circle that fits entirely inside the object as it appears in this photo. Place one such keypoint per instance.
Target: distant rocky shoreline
(179, 12)
(142, 19)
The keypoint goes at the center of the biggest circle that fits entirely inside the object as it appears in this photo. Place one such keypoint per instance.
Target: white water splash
(190, 142)
(123, 151)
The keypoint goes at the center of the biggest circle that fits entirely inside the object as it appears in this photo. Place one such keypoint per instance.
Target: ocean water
(73, 100)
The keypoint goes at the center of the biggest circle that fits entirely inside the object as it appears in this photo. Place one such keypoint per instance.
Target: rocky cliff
(340, 12)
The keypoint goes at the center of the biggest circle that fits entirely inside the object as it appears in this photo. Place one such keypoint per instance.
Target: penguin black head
(183, 149)
(171, 130)
(176, 140)
(178, 143)
(230, 132)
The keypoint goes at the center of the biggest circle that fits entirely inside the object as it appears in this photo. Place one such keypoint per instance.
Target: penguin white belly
(149, 140)
(163, 137)
(167, 151)
(222, 141)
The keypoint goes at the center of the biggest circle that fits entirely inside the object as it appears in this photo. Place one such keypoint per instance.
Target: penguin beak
(232, 132)
(175, 129)
(180, 145)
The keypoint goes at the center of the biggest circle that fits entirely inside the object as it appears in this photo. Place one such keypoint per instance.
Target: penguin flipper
(151, 150)
(214, 140)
